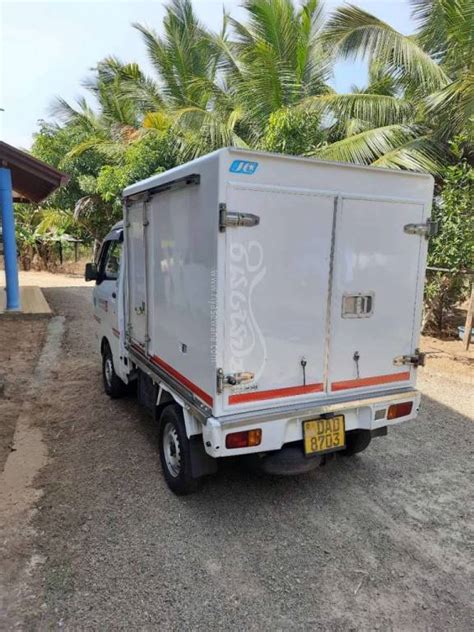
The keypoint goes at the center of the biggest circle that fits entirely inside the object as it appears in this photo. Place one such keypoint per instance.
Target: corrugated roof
(32, 179)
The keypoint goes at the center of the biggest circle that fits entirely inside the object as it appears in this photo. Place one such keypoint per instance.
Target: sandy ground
(20, 344)
(448, 374)
(379, 541)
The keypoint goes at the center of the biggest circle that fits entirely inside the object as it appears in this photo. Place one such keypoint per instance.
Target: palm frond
(54, 220)
(84, 116)
(160, 121)
(208, 130)
(109, 148)
(376, 109)
(369, 145)
(453, 107)
(358, 34)
(419, 154)
(446, 31)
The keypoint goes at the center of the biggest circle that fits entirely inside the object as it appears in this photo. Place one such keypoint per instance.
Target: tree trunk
(95, 249)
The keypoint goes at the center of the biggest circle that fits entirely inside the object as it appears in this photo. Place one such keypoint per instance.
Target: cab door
(106, 290)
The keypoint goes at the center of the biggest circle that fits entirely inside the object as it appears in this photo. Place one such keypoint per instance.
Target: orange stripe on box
(370, 381)
(116, 332)
(255, 396)
(184, 380)
(96, 318)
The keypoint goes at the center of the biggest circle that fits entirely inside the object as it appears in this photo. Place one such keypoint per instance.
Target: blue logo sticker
(246, 167)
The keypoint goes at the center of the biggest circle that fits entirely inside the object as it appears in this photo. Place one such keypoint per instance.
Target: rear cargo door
(276, 290)
(376, 287)
(136, 274)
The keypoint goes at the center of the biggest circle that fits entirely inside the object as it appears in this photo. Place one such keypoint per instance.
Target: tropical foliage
(431, 78)
(264, 82)
(452, 250)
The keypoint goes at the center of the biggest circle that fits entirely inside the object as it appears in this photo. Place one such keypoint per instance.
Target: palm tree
(446, 31)
(184, 54)
(430, 97)
(116, 120)
(220, 89)
(275, 60)
(185, 60)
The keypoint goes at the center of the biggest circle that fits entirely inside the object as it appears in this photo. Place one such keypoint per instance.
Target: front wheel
(113, 385)
(175, 452)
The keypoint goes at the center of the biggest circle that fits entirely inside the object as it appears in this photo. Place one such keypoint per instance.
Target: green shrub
(293, 131)
(453, 247)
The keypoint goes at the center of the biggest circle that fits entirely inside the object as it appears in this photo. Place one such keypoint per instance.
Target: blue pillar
(9, 239)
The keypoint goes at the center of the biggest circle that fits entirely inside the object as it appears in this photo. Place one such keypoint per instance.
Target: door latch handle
(232, 379)
(239, 378)
(141, 309)
(429, 229)
(416, 359)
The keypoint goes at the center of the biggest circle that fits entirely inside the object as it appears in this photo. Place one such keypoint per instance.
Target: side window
(110, 261)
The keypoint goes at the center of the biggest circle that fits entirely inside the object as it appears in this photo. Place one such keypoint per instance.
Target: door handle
(114, 295)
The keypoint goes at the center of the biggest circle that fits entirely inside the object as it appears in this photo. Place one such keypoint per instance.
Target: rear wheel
(175, 452)
(113, 385)
(356, 441)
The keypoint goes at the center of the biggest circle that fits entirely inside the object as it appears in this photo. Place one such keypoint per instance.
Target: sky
(47, 48)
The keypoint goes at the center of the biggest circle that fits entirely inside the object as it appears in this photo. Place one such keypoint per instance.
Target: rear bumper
(280, 427)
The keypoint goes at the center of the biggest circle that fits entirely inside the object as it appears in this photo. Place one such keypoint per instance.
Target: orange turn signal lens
(399, 410)
(255, 437)
(244, 439)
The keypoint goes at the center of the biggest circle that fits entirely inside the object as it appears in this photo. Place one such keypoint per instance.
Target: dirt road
(379, 541)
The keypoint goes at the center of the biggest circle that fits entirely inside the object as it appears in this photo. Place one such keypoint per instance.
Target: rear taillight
(399, 410)
(244, 439)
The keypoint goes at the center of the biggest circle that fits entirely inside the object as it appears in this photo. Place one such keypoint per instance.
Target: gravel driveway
(379, 541)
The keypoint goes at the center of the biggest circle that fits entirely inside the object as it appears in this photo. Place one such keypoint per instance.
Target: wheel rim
(108, 370)
(172, 450)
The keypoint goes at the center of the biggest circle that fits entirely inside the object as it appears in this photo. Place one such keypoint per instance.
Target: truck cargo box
(256, 281)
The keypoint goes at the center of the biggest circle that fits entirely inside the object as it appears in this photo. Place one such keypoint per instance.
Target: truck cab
(106, 273)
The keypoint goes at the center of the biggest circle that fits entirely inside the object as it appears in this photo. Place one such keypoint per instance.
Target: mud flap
(379, 432)
(201, 463)
(146, 392)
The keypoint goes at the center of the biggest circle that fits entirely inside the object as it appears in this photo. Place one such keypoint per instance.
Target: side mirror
(91, 272)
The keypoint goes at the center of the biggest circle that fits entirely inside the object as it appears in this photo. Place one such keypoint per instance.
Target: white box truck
(265, 305)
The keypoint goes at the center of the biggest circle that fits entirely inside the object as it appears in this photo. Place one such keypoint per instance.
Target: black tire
(356, 441)
(175, 453)
(113, 385)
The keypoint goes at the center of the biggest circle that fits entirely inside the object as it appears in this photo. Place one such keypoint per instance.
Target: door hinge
(220, 381)
(416, 359)
(232, 379)
(429, 229)
(230, 218)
